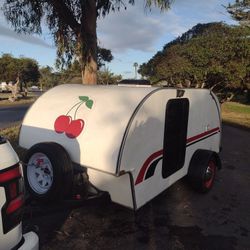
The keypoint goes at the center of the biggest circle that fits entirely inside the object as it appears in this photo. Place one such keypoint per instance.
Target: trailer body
(134, 141)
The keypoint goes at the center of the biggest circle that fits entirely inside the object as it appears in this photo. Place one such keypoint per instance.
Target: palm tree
(136, 66)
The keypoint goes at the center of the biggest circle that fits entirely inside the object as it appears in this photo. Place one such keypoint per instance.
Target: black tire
(202, 170)
(60, 172)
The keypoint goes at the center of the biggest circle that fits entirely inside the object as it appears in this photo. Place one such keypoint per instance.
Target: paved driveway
(177, 219)
(12, 115)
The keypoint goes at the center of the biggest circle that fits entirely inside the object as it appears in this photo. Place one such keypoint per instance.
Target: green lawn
(5, 102)
(236, 114)
(237, 107)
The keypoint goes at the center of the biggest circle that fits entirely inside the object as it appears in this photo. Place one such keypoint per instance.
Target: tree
(72, 24)
(19, 71)
(240, 11)
(48, 78)
(73, 69)
(103, 55)
(28, 72)
(11, 68)
(106, 77)
(135, 66)
(8, 68)
(215, 55)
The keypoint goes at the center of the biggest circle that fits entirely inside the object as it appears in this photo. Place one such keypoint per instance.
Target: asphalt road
(12, 115)
(177, 219)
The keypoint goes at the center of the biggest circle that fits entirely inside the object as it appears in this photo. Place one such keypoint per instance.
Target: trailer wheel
(202, 170)
(48, 172)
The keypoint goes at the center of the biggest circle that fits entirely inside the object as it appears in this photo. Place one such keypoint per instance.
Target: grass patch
(21, 100)
(236, 114)
(236, 108)
(12, 134)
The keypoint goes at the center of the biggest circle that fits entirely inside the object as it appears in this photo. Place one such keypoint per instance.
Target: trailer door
(175, 135)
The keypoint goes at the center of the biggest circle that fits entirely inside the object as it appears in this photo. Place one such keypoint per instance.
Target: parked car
(4, 87)
(34, 88)
(12, 202)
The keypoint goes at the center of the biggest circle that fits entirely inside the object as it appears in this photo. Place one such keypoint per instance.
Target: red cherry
(75, 128)
(62, 123)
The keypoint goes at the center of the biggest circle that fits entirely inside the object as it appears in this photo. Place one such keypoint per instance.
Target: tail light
(11, 180)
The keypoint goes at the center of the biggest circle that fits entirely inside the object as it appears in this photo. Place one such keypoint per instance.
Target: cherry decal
(61, 123)
(75, 128)
(72, 128)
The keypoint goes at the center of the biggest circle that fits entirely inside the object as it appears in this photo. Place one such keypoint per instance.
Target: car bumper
(31, 242)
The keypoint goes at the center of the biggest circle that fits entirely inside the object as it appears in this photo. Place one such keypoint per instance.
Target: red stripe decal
(152, 157)
(155, 155)
(196, 137)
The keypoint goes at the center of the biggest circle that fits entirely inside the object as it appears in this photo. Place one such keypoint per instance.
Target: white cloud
(141, 30)
(24, 38)
(201, 11)
(136, 29)
(6, 31)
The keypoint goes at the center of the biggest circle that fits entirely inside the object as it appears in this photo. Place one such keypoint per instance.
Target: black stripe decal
(151, 169)
(19, 244)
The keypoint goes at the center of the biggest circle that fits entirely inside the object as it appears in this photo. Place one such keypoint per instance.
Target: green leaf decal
(89, 103)
(84, 98)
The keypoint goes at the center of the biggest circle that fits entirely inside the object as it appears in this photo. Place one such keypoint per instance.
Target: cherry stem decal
(73, 107)
(84, 99)
(72, 128)
(88, 102)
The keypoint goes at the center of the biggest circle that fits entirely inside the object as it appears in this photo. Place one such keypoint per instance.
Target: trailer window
(175, 135)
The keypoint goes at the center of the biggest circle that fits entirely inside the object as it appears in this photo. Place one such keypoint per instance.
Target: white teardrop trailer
(132, 142)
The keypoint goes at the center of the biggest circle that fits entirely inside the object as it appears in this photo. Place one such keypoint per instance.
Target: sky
(133, 35)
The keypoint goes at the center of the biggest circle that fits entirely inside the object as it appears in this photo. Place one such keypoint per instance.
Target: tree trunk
(203, 85)
(230, 97)
(89, 73)
(88, 40)
(14, 90)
